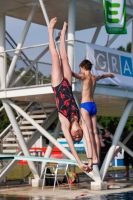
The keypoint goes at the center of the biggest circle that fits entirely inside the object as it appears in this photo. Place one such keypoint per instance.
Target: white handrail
(39, 45)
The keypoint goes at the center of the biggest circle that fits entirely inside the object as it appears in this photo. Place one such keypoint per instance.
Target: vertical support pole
(132, 38)
(116, 138)
(37, 73)
(41, 141)
(50, 146)
(71, 31)
(2, 49)
(20, 44)
(19, 137)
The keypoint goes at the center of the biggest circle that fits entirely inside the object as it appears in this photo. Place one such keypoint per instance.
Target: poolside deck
(117, 184)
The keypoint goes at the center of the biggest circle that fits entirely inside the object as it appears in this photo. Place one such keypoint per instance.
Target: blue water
(115, 196)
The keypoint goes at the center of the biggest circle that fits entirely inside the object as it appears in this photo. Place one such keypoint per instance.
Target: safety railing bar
(39, 45)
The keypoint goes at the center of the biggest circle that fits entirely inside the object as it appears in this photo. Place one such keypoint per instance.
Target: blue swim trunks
(90, 107)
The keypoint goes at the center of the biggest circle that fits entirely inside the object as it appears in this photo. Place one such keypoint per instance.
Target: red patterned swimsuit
(65, 101)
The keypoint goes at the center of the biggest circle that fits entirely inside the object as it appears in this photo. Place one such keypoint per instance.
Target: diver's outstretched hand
(85, 168)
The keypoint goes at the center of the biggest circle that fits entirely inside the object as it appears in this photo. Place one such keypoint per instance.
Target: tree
(127, 49)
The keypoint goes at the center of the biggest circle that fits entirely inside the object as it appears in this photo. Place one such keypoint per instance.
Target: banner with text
(106, 60)
(115, 16)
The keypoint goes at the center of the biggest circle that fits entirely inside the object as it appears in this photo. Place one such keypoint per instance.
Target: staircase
(36, 111)
(39, 112)
(43, 114)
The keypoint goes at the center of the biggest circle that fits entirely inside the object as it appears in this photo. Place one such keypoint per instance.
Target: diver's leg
(64, 58)
(89, 135)
(56, 74)
(97, 141)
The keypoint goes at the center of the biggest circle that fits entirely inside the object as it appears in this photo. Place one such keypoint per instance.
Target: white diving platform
(110, 100)
(37, 159)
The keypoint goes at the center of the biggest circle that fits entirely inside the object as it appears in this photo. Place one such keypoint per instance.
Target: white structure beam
(20, 44)
(97, 31)
(125, 148)
(2, 49)
(116, 138)
(20, 137)
(31, 65)
(44, 132)
(44, 12)
(132, 38)
(71, 31)
(39, 128)
(47, 20)
(30, 143)
(122, 144)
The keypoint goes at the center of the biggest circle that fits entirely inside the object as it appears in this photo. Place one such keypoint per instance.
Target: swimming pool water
(114, 196)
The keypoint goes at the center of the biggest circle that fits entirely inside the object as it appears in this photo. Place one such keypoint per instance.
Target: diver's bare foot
(64, 29)
(52, 23)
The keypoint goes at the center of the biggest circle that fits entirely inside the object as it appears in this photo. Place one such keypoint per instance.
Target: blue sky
(38, 34)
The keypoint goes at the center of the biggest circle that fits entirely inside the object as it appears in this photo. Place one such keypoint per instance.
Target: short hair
(86, 64)
(101, 131)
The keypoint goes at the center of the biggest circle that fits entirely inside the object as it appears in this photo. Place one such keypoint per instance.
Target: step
(47, 110)
(13, 139)
(37, 112)
(10, 145)
(8, 151)
(37, 121)
(37, 116)
(26, 127)
(27, 132)
(10, 139)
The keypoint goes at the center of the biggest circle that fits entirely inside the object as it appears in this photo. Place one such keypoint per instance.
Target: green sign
(115, 16)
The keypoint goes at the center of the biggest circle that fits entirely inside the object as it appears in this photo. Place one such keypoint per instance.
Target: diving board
(37, 159)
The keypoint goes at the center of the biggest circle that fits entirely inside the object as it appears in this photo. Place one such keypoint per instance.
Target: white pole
(44, 12)
(128, 137)
(36, 73)
(116, 138)
(125, 148)
(2, 49)
(19, 136)
(50, 146)
(20, 44)
(41, 130)
(96, 34)
(132, 38)
(31, 65)
(47, 20)
(123, 143)
(71, 31)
